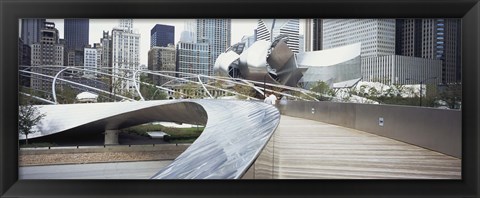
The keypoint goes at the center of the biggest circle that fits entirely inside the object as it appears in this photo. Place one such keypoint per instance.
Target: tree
(28, 116)
(245, 90)
(324, 89)
(150, 92)
(66, 95)
(452, 95)
(190, 89)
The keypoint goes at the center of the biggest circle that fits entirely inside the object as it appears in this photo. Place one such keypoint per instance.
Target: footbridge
(308, 140)
(252, 139)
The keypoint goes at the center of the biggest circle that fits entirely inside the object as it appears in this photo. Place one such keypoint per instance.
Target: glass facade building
(217, 34)
(432, 39)
(30, 32)
(162, 35)
(193, 58)
(76, 33)
(376, 35)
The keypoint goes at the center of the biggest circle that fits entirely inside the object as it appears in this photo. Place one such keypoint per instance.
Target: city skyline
(240, 27)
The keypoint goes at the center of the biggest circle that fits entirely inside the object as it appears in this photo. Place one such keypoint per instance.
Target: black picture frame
(12, 10)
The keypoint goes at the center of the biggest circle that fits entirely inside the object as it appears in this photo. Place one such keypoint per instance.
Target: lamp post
(421, 86)
(264, 85)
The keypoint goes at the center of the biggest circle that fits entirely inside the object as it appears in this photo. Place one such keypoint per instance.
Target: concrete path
(305, 149)
(119, 170)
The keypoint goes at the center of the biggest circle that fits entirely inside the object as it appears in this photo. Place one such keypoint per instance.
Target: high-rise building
(377, 36)
(308, 34)
(24, 60)
(313, 34)
(193, 58)
(74, 57)
(30, 32)
(317, 34)
(269, 29)
(99, 48)
(47, 52)
(76, 33)
(162, 35)
(216, 33)
(90, 61)
(106, 42)
(162, 59)
(125, 56)
(433, 39)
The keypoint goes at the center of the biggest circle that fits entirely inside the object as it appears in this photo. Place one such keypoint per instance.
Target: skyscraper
(193, 58)
(378, 48)
(24, 59)
(91, 60)
(30, 32)
(216, 33)
(317, 34)
(76, 33)
(269, 29)
(376, 35)
(125, 55)
(106, 42)
(433, 39)
(162, 59)
(48, 51)
(162, 35)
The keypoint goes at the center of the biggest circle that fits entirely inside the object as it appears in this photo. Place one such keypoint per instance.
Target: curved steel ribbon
(235, 131)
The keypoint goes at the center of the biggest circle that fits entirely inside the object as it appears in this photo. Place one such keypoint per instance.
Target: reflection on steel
(233, 138)
(336, 65)
(235, 131)
(277, 63)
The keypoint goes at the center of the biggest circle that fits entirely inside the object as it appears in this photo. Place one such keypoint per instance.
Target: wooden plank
(305, 149)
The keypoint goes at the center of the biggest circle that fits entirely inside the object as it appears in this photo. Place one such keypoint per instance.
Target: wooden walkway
(305, 149)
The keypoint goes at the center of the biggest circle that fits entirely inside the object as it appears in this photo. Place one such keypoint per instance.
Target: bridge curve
(235, 131)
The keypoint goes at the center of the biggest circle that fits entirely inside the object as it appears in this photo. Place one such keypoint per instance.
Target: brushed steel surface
(275, 62)
(234, 135)
(229, 145)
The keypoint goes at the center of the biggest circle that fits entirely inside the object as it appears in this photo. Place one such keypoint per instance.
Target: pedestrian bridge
(309, 140)
(307, 149)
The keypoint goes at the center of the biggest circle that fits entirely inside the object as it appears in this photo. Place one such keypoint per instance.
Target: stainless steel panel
(235, 131)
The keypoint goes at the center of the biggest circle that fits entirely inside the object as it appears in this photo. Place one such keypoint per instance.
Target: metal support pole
(264, 85)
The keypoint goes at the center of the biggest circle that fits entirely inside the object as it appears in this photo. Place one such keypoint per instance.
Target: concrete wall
(435, 129)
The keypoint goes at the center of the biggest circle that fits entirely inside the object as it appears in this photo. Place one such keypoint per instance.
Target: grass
(177, 135)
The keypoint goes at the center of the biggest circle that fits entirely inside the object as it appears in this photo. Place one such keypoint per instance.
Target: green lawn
(177, 135)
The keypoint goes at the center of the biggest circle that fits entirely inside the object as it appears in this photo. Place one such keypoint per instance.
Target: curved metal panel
(277, 63)
(329, 57)
(223, 61)
(235, 131)
(229, 144)
(253, 61)
(282, 60)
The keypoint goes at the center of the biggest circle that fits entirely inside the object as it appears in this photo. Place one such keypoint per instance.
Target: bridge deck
(305, 149)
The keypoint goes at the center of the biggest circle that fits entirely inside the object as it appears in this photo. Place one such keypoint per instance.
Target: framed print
(265, 98)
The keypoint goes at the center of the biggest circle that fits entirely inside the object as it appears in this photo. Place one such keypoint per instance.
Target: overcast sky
(240, 27)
